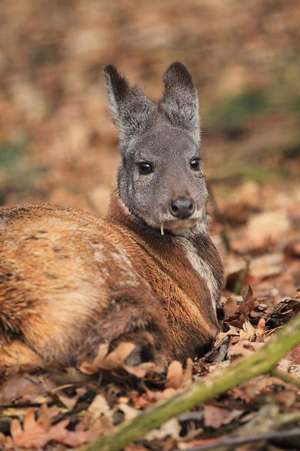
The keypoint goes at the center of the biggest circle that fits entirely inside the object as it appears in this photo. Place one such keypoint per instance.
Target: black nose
(182, 207)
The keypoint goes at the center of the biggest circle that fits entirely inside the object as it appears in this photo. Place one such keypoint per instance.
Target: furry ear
(132, 111)
(180, 99)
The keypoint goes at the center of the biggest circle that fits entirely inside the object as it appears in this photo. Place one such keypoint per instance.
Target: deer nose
(182, 207)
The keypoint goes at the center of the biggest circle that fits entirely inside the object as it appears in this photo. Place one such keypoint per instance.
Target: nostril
(182, 207)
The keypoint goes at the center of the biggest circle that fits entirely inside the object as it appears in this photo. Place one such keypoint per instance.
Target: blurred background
(57, 143)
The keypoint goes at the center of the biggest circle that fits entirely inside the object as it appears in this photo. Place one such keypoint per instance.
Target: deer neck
(189, 259)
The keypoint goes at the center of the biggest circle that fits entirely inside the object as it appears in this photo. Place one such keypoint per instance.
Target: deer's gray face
(160, 180)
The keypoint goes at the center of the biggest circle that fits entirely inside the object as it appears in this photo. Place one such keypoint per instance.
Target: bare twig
(235, 441)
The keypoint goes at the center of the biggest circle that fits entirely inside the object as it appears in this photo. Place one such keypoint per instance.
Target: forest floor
(57, 145)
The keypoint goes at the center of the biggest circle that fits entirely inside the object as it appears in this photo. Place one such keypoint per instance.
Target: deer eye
(195, 164)
(145, 167)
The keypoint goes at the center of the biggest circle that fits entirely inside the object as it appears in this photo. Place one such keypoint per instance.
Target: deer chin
(196, 224)
(183, 226)
(179, 227)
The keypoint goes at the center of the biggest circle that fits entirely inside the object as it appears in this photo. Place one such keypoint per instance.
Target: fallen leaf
(243, 348)
(175, 375)
(70, 401)
(295, 355)
(266, 265)
(140, 371)
(266, 227)
(128, 411)
(283, 312)
(108, 361)
(99, 408)
(286, 398)
(248, 332)
(218, 416)
(23, 388)
(36, 433)
(230, 308)
(170, 428)
(292, 249)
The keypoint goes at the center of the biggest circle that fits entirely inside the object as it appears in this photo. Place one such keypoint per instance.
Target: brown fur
(69, 281)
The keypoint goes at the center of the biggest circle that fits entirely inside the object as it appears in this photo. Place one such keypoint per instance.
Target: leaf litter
(74, 407)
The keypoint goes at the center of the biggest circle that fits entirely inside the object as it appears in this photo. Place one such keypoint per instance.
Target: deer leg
(136, 317)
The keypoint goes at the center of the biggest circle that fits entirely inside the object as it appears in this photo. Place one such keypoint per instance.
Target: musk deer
(149, 273)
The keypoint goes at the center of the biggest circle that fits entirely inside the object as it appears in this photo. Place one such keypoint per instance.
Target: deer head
(160, 180)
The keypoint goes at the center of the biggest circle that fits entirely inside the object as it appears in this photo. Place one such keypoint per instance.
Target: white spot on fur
(3, 224)
(201, 267)
(128, 275)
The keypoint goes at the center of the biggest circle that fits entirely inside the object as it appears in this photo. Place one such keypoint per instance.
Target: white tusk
(162, 229)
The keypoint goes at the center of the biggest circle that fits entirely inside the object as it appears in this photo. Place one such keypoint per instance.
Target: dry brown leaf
(90, 367)
(261, 384)
(188, 373)
(143, 369)
(128, 411)
(231, 332)
(230, 308)
(79, 437)
(293, 249)
(165, 394)
(243, 348)
(70, 401)
(99, 408)
(175, 375)
(233, 264)
(116, 360)
(295, 355)
(117, 357)
(248, 332)
(267, 227)
(237, 309)
(295, 370)
(218, 416)
(266, 265)
(261, 329)
(37, 433)
(170, 428)
(23, 388)
(286, 398)
(108, 361)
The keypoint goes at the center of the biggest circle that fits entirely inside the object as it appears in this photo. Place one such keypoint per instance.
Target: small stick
(235, 441)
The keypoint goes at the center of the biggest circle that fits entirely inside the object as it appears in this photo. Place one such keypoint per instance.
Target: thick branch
(260, 362)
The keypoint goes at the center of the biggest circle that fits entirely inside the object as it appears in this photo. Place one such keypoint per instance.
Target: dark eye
(145, 167)
(195, 164)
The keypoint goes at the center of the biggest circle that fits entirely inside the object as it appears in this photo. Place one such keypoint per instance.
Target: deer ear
(131, 110)
(180, 99)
